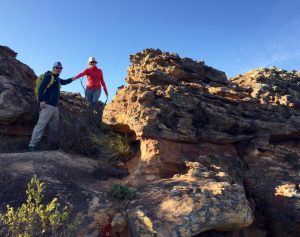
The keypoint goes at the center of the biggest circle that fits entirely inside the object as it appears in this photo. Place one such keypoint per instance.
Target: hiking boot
(32, 148)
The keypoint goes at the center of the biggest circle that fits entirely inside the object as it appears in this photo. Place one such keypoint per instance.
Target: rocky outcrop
(213, 154)
(157, 102)
(272, 86)
(181, 111)
(192, 109)
(17, 103)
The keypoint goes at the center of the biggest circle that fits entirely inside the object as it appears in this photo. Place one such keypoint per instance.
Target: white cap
(92, 59)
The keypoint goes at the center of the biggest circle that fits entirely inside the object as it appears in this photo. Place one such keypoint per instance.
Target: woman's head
(92, 61)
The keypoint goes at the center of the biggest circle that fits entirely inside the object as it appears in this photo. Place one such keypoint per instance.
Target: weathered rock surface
(67, 177)
(205, 198)
(17, 102)
(192, 109)
(273, 181)
(272, 86)
(181, 110)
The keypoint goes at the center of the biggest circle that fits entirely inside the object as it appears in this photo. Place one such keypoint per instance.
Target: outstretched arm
(65, 81)
(84, 73)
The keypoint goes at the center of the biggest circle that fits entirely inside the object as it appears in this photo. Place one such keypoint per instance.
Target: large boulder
(204, 198)
(171, 98)
(183, 111)
(17, 103)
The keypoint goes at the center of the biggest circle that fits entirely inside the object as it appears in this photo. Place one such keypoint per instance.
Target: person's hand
(73, 78)
(43, 104)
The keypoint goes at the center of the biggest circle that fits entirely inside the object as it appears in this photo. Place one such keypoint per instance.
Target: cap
(92, 59)
(57, 64)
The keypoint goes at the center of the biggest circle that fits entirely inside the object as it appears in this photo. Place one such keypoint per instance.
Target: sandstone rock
(182, 111)
(194, 109)
(273, 181)
(272, 86)
(17, 103)
(189, 204)
(154, 66)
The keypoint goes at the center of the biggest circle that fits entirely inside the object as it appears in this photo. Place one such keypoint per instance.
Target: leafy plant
(122, 192)
(34, 218)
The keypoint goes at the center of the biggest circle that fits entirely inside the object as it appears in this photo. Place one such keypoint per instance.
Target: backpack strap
(51, 80)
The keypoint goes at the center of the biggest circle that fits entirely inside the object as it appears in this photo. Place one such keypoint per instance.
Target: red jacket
(94, 78)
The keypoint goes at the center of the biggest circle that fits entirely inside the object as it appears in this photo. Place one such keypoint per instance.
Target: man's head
(92, 61)
(57, 67)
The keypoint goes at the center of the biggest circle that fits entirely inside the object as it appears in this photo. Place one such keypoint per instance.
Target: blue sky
(234, 36)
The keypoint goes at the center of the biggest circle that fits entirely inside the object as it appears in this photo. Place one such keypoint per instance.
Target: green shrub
(122, 192)
(35, 219)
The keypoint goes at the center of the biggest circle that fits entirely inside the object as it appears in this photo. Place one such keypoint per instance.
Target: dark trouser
(92, 95)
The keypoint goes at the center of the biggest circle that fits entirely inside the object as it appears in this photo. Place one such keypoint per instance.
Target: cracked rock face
(273, 181)
(171, 98)
(205, 198)
(183, 111)
(272, 86)
(17, 103)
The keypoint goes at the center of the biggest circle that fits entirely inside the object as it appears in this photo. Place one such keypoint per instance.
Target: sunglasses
(59, 68)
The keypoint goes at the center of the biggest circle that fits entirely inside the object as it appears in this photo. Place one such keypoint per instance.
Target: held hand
(73, 78)
(43, 104)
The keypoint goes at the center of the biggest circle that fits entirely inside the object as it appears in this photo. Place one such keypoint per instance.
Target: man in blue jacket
(49, 114)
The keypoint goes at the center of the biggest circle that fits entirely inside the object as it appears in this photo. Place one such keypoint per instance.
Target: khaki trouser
(47, 115)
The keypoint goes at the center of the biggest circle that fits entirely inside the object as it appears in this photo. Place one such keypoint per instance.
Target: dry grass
(88, 136)
(115, 144)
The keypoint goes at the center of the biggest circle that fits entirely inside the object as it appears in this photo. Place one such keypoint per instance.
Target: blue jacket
(51, 95)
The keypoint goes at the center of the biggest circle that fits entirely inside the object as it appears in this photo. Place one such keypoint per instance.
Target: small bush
(35, 219)
(116, 145)
(82, 132)
(122, 192)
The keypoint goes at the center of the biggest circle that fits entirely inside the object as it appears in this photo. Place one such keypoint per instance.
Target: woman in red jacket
(94, 81)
